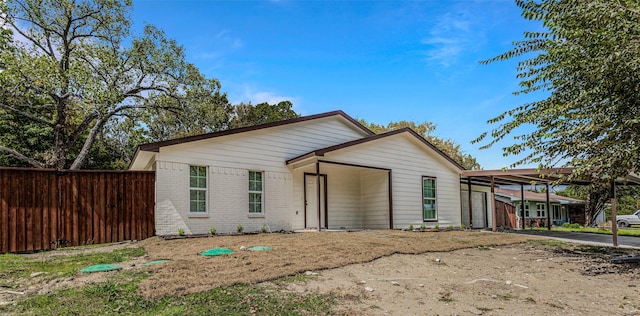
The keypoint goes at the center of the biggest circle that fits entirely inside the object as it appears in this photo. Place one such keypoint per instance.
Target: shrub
(437, 227)
(212, 230)
(462, 227)
(263, 228)
(450, 227)
(422, 227)
(239, 228)
(180, 231)
(565, 225)
(410, 227)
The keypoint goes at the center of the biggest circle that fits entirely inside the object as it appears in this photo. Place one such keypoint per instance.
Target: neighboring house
(323, 170)
(562, 209)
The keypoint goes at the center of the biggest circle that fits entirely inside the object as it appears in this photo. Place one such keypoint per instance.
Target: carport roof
(527, 176)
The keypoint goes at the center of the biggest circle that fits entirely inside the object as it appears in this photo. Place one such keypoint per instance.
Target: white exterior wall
(464, 197)
(374, 185)
(229, 159)
(409, 160)
(343, 192)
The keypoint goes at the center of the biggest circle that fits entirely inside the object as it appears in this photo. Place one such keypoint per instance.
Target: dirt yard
(396, 272)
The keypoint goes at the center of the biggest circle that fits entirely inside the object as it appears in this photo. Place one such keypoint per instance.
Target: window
(541, 210)
(198, 189)
(429, 211)
(255, 192)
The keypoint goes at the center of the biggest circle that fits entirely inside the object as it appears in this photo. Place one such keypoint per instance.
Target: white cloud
(250, 94)
(449, 38)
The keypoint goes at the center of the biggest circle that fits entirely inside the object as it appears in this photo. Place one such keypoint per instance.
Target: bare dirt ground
(396, 272)
(508, 280)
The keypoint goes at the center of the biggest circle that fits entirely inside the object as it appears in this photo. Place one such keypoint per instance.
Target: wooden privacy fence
(505, 215)
(43, 209)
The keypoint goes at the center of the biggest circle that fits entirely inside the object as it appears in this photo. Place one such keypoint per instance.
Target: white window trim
(541, 210)
(254, 214)
(435, 182)
(206, 193)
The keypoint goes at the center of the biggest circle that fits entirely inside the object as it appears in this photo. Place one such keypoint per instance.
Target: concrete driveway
(599, 239)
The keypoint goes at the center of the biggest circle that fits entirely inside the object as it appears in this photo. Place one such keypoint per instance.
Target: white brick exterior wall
(357, 197)
(227, 201)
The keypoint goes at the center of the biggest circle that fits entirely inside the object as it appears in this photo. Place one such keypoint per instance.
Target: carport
(548, 176)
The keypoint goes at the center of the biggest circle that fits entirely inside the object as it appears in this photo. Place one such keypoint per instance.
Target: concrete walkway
(599, 239)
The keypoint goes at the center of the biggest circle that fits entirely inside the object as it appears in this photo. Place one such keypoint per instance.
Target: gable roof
(321, 152)
(514, 195)
(155, 147)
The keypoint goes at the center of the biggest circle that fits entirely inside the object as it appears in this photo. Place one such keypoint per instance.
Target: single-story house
(563, 209)
(324, 171)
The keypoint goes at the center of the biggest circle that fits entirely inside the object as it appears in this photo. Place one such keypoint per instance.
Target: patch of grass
(293, 278)
(484, 248)
(484, 309)
(550, 243)
(18, 266)
(595, 230)
(119, 296)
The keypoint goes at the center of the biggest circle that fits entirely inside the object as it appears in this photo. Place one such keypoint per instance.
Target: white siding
(409, 161)
(343, 194)
(229, 159)
(375, 199)
(478, 210)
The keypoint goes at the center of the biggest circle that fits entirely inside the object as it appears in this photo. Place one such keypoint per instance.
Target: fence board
(41, 209)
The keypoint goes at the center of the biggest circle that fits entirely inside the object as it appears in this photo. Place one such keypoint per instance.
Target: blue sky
(380, 61)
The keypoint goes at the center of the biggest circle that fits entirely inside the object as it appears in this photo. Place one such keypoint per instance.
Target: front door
(311, 201)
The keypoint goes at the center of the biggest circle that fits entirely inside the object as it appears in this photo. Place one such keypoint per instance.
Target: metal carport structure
(536, 176)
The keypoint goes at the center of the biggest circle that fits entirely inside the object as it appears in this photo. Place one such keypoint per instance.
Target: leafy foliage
(425, 129)
(71, 72)
(597, 197)
(587, 61)
(247, 114)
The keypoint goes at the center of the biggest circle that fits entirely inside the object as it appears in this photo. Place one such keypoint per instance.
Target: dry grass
(187, 272)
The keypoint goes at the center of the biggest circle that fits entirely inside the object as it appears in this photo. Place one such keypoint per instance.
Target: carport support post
(494, 225)
(469, 204)
(318, 191)
(522, 203)
(614, 224)
(548, 210)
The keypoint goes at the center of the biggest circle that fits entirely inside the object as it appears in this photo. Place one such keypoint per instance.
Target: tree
(72, 69)
(587, 62)
(247, 114)
(425, 129)
(597, 198)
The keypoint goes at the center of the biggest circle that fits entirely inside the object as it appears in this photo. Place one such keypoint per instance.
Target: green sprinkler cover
(101, 268)
(155, 262)
(216, 252)
(259, 248)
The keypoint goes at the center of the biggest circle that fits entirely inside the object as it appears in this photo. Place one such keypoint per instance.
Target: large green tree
(425, 129)
(586, 65)
(247, 114)
(71, 71)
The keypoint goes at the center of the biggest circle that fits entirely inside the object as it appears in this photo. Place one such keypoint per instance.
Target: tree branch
(22, 157)
(27, 115)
